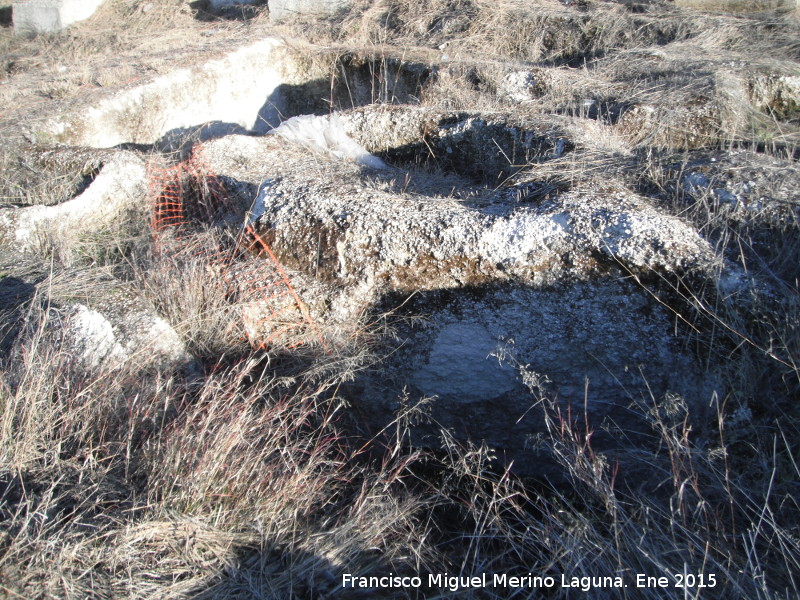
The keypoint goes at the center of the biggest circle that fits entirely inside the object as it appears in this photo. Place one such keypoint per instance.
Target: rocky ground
(560, 234)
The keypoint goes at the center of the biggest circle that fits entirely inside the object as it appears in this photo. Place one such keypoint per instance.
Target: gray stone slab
(49, 16)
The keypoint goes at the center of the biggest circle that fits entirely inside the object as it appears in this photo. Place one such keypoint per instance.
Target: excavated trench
(248, 91)
(519, 300)
(484, 150)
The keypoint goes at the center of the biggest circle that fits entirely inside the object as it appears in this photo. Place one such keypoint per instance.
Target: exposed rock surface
(120, 186)
(352, 233)
(96, 320)
(234, 93)
(111, 338)
(249, 89)
(413, 244)
(280, 10)
(502, 286)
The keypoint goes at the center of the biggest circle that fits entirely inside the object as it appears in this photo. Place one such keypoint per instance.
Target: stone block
(49, 16)
(281, 10)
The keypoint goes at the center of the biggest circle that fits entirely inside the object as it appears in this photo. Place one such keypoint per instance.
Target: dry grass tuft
(146, 486)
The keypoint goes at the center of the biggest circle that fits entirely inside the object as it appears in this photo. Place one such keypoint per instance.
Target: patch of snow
(326, 135)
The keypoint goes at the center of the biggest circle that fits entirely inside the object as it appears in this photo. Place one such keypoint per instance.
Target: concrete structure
(48, 16)
(280, 10)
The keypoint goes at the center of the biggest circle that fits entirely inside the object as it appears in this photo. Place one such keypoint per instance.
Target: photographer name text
(455, 583)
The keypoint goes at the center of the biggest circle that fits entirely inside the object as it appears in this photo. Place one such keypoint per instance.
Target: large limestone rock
(49, 16)
(249, 89)
(109, 327)
(280, 10)
(235, 93)
(110, 338)
(342, 230)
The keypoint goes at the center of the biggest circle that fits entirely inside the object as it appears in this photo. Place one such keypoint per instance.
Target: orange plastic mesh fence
(185, 198)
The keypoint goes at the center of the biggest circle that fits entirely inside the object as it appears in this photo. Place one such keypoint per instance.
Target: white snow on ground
(326, 135)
